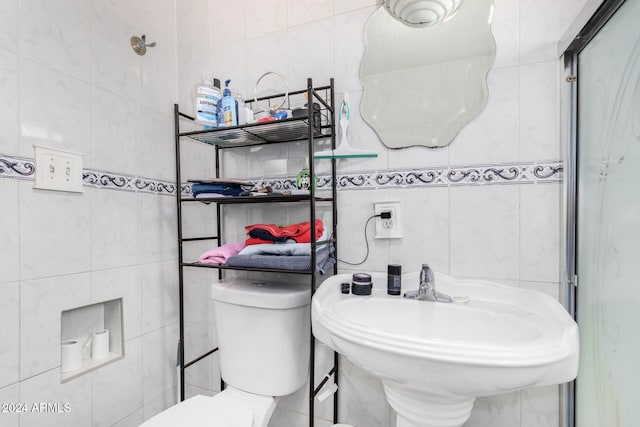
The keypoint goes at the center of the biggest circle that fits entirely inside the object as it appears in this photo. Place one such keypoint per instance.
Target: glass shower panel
(608, 294)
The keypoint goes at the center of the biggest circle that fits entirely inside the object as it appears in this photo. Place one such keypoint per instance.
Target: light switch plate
(58, 170)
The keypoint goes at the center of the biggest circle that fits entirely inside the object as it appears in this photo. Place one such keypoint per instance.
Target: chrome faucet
(427, 288)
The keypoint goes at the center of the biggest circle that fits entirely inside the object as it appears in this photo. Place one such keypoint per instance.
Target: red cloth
(301, 232)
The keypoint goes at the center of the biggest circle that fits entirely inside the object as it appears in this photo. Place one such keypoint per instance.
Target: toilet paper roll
(70, 356)
(100, 344)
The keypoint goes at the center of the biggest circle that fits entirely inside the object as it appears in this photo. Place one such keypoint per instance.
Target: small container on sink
(361, 284)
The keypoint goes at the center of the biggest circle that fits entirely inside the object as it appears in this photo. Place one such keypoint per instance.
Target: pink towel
(219, 255)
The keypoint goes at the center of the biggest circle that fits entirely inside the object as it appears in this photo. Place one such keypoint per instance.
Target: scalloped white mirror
(423, 83)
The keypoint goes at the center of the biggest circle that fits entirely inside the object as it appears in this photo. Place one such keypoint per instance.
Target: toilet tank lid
(261, 293)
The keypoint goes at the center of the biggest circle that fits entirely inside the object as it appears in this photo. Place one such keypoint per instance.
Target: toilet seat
(230, 408)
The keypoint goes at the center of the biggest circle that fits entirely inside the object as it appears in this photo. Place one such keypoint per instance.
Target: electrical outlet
(58, 170)
(388, 228)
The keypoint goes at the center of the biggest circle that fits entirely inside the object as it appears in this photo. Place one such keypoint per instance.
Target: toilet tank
(263, 334)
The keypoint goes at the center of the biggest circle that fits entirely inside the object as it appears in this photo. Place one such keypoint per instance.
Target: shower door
(608, 223)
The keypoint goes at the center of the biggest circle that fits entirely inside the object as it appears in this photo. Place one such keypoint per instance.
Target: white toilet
(263, 338)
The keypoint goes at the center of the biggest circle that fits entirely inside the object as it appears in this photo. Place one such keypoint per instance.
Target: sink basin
(435, 358)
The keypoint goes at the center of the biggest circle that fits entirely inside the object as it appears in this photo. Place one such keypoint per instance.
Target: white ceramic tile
(159, 228)
(417, 157)
(54, 110)
(196, 159)
(158, 146)
(234, 224)
(282, 417)
(197, 343)
(551, 289)
(10, 394)
(115, 133)
(190, 68)
(8, 102)
(485, 231)
(349, 48)
(192, 18)
(41, 304)
(230, 19)
(57, 34)
(506, 31)
(55, 232)
(159, 67)
(228, 61)
(117, 387)
(198, 221)
(540, 232)
(311, 53)
(9, 231)
(159, 403)
(540, 407)
(303, 11)
(159, 369)
(9, 25)
(125, 283)
(191, 391)
(542, 25)
(46, 389)
(361, 136)
(159, 295)
(540, 111)
(496, 411)
(133, 420)
(267, 53)
(351, 240)
(269, 160)
(425, 230)
(492, 136)
(193, 47)
(115, 228)
(9, 334)
(362, 398)
(114, 65)
(197, 294)
(265, 17)
(341, 6)
(192, 251)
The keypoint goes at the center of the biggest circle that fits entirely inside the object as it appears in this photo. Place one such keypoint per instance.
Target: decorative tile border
(101, 179)
(509, 173)
(25, 168)
(17, 167)
(512, 173)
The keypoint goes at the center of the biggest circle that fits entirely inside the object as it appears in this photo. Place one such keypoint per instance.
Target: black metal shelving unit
(277, 132)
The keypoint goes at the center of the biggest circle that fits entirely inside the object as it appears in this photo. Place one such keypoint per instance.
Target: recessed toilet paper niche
(91, 337)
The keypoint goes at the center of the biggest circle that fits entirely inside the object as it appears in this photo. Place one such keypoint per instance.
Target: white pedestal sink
(435, 358)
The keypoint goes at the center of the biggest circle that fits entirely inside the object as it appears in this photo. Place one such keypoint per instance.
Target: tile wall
(507, 231)
(69, 79)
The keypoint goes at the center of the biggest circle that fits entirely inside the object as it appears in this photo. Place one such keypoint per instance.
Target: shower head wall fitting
(139, 44)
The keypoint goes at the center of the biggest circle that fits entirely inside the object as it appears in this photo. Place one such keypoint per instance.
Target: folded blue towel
(216, 189)
(324, 260)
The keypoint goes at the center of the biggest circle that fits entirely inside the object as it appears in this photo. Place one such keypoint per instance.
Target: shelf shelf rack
(275, 132)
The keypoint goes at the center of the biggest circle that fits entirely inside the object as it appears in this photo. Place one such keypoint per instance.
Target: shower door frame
(570, 136)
